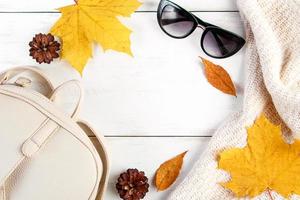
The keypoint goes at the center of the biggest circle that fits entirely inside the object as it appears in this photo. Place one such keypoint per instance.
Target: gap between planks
(141, 11)
(154, 136)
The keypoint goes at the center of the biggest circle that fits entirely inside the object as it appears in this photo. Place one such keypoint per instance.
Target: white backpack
(45, 152)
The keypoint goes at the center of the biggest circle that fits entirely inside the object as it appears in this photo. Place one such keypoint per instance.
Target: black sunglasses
(179, 23)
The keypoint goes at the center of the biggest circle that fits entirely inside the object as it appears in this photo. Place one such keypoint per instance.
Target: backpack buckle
(23, 82)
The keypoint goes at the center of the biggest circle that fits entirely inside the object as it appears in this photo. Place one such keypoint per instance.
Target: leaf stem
(269, 193)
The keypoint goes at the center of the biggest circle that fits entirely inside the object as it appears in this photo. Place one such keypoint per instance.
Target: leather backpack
(46, 153)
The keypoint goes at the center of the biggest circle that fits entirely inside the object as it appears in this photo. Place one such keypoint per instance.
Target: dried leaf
(168, 172)
(218, 77)
(266, 163)
(90, 21)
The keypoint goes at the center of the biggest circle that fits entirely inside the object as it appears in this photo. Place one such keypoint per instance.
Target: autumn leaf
(168, 172)
(266, 163)
(218, 77)
(90, 21)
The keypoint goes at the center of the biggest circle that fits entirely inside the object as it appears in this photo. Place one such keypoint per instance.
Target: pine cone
(43, 48)
(132, 185)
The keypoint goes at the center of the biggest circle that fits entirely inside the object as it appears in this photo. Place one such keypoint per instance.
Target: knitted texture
(272, 87)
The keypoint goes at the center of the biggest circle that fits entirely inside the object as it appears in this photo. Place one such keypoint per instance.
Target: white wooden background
(150, 107)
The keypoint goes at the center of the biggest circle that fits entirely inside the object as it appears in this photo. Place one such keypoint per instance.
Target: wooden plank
(148, 5)
(147, 154)
(160, 91)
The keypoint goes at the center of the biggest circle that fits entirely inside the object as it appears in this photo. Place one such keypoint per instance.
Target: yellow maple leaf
(266, 163)
(90, 21)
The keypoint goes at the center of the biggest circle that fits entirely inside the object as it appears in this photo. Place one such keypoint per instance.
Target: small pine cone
(43, 48)
(132, 185)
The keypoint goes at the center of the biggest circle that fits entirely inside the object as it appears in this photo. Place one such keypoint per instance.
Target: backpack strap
(100, 146)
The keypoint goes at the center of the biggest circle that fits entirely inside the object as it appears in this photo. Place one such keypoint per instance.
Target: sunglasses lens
(176, 22)
(220, 43)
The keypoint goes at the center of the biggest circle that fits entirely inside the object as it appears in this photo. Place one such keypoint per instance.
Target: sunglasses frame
(198, 23)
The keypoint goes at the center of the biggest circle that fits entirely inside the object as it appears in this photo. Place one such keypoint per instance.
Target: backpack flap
(68, 155)
(13, 145)
(27, 122)
(14, 135)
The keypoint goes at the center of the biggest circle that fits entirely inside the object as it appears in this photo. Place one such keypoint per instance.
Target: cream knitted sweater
(272, 86)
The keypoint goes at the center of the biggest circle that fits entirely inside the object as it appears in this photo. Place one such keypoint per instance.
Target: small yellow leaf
(168, 172)
(90, 21)
(218, 77)
(266, 163)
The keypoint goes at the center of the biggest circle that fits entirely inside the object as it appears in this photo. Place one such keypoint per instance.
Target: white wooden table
(150, 107)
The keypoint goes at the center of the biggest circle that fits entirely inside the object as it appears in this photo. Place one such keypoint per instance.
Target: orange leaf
(168, 172)
(218, 77)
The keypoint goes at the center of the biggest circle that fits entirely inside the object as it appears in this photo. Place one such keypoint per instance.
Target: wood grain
(161, 91)
(147, 154)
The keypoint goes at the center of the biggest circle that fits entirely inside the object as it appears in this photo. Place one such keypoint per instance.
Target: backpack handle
(29, 76)
(32, 78)
(70, 103)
